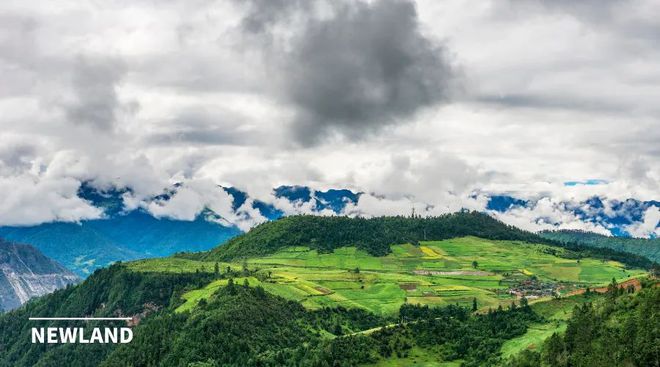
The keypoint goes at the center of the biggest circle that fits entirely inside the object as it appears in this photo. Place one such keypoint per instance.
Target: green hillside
(620, 329)
(434, 273)
(373, 235)
(649, 248)
(323, 298)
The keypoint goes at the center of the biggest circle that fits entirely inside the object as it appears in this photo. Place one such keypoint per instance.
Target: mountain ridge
(327, 233)
(26, 273)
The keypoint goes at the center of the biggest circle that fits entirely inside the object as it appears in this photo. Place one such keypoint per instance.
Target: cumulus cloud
(34, 200)
(650, 227)
(547, 214)
(424, 103)
(192, 198)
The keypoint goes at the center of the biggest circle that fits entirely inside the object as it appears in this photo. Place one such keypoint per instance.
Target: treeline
(373, 235)
(649, 248)
(622, 329)
(578, 251)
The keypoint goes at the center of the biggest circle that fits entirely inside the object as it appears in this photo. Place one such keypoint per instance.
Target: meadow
(454, 271)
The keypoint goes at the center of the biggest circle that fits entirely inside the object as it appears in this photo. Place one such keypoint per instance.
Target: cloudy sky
(433, 102)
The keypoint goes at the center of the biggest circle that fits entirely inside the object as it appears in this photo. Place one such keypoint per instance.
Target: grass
(193, 297)
(416, 357)
(435, 273)
(533, 338)
(556, 311)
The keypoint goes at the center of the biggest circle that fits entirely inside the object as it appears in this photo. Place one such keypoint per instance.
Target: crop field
(434, 273)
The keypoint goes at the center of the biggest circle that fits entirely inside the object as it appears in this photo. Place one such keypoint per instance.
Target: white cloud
(34, 200)
(547, 214)
(144, 96)
(649, 227)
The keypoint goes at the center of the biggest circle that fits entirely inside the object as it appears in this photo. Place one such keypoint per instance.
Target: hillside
(26, 273)
(649, 248)
(373, 235)
(435, 273)
(620, 329)
(376, 236)
(347, 292)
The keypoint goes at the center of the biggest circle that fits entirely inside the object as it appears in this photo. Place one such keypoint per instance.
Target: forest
(620, 329)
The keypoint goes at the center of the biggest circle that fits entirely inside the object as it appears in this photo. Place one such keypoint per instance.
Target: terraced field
(434, 273)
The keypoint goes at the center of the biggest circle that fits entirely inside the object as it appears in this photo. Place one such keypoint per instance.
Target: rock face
(25, 273)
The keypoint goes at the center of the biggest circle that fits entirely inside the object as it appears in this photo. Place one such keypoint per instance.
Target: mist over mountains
(155, 227)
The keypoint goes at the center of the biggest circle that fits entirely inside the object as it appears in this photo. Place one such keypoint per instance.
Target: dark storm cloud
(262, 14)
(94, 84)
(364, 66)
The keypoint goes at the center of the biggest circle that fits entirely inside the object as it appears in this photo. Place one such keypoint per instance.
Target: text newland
(60, 335)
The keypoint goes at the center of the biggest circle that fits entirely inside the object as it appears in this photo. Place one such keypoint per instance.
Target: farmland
(434, 273)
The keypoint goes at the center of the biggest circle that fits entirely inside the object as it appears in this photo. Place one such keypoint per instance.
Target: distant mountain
(613, 215)
(26, 273)
(332, 199)
(649, 248)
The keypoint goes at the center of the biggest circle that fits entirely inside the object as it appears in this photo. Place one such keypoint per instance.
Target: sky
(436, 104)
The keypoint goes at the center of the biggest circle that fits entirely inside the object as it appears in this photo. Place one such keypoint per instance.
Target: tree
(613, 289)
(216, 268)
(474, 304)
(475, 264)
(246, 271)
(230, 286)
(246, 283)
(523, 302)
(554, 351)
(357, 270)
